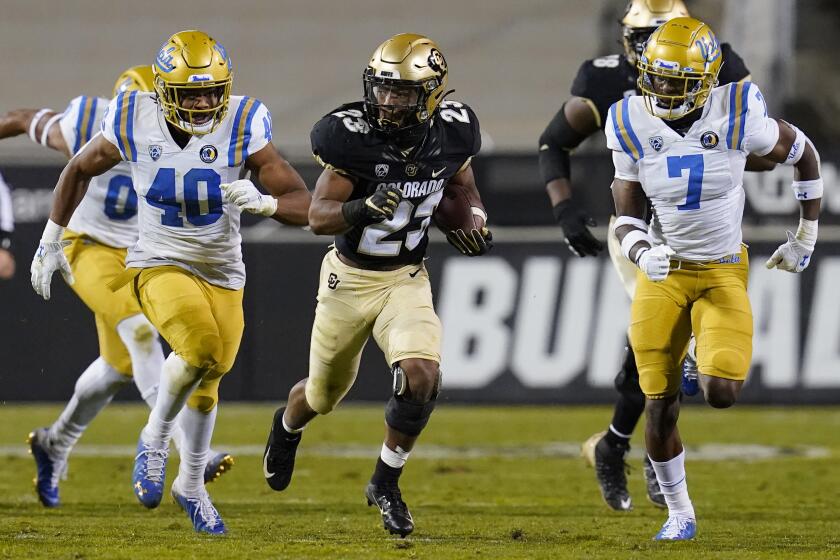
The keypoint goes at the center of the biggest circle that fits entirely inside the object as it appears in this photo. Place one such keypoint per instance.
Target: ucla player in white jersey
(683, 145)
(186, 145)
(102, 228)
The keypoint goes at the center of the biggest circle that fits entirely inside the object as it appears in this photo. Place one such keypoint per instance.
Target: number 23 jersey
(183, 217)
(344, 142)
(694, 182)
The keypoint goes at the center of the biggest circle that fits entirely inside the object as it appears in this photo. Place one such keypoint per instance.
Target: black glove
(574, 222)
(473, 244)
(378, 207)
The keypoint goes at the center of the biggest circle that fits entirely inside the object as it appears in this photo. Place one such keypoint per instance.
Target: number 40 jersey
(694, 182)
(182, 215)
(344, 142)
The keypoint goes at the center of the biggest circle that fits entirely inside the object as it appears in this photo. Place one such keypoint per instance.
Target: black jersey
(608, 79)
(344, 142)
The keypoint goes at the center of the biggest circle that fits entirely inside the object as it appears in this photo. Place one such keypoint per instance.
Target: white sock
(177, 382)
(671, 477)
(94, 390)
(396, 458)
(198, 429)
(141, 340)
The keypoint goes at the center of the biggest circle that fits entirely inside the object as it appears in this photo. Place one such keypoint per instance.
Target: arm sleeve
(556, 141)
(625, 168)
(761, 133)
(80, 119)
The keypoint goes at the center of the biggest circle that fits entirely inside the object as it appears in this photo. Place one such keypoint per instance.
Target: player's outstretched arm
(794, 148)
(573, 123)
(97, 157)
(288, 199)
(40, 124)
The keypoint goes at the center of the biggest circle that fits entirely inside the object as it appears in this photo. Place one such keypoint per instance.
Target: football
(455, 210)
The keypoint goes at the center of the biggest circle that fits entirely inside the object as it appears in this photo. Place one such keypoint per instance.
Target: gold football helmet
(136, 78)
(641, 18)
(404, 82)
(187, 63)
(679, 67)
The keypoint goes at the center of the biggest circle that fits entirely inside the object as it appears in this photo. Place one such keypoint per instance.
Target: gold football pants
(202, 323)
(94, 265)
(709, 299)
(395, 306)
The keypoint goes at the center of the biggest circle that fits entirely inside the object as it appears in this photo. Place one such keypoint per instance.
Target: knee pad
(408, 417)
(206, 395)
(203, 350)
(323, 399)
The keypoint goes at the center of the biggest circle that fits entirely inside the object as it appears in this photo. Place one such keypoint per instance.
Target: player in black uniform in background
(387, 161)
(600, 83)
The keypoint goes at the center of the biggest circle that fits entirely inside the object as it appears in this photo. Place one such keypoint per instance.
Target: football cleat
(611, 473)
(690, 381)
(587, 450)
(395, 515)
(149, 473)
(677, 528)
(201, 511)
(654, 492)
(49, 469)
(219, 464)
(279, 458)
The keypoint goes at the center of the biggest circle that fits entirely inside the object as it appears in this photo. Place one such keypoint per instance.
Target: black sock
(384, 474)
(626, 415)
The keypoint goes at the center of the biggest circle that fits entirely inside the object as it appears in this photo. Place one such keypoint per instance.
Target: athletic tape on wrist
(631, 239)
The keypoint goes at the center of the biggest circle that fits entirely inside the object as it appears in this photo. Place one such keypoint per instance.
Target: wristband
(808, 190)
(631, 239)
(33, 124)
(354, 211)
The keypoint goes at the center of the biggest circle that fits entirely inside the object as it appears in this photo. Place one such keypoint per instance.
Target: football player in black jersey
(387, 161)
(600, 83)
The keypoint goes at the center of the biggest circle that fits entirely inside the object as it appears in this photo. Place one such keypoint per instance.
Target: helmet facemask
(671, 94)
(634, 40)
(396, 105)
(179, 104)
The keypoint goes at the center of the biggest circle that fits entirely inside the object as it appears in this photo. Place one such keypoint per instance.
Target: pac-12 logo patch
(381, 169)
(155, 152)
(709, 140)
(208, 153)
(656, 142)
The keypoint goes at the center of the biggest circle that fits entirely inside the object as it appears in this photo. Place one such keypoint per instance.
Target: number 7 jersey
(694, 182)
(182, 215)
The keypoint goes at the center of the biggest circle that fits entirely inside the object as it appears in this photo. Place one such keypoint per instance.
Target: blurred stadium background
(529, 323)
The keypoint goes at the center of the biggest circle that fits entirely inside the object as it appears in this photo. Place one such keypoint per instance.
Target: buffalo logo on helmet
(381, 169)
(155, 152)
(208, 153)
(656, 142)
(709, 140)
(437, 62)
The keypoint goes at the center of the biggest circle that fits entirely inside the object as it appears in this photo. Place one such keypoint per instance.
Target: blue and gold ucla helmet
(641, 18)
(679, 67)
(404, 82)
(136, 78)
(189, 61)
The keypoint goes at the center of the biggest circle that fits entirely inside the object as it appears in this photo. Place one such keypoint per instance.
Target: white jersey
(183, 217)
(108, 211)
(694, 182)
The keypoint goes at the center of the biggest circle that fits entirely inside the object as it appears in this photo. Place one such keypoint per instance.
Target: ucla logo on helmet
(656, 142)
(164, 59)
(208, 153)
(709, 140)
(155, 152)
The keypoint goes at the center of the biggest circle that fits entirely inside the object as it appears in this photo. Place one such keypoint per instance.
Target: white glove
(48, 258)
(245, 195)
(793, 256)
(655, 262)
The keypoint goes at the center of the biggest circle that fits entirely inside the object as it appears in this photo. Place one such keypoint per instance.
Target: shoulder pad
(336, 130)
(734, 69)
(460, 120)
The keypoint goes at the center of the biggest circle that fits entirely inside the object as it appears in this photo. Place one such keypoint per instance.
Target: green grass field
(493, 483)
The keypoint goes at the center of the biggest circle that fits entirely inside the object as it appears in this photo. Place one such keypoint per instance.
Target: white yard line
(560, 449)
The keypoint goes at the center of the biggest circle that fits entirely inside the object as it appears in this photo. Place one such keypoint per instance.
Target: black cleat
(279, 458)
(654, 492)
(395, 515)
(610, 470)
